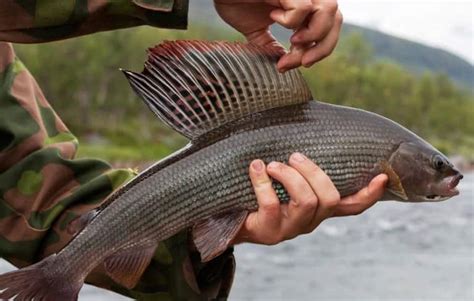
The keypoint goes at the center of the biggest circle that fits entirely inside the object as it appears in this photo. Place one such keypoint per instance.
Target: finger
(320, 23)
(265, 38)
(317, 29)
(303, 200)
(325, 47)
(292, 59)
(364, 199)
(262, 226)
(326, 192)
(269, 213)
(292, 14)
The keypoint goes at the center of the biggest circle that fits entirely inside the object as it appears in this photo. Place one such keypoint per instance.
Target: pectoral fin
(80, 222)
(394, 183)
(126, 267)
(213, 235)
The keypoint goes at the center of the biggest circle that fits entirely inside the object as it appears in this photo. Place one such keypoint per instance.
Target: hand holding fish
(316, 23)
(314, 198)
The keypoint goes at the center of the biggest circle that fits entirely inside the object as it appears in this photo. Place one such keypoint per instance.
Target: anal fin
(127, 266)
(213, 235)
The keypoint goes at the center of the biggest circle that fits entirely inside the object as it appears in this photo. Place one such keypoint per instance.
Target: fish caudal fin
(39, 282)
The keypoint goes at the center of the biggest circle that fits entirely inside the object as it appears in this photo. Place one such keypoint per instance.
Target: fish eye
(438, 162)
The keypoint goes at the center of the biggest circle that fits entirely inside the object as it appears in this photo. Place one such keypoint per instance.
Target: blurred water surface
(394, 251)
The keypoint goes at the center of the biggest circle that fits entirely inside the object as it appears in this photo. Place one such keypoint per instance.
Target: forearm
(44, 21)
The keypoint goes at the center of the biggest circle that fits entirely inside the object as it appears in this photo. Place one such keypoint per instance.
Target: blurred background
(427, 89)
(411, 61)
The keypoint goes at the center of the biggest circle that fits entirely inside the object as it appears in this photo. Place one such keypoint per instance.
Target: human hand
(316, 23)
(314, 198)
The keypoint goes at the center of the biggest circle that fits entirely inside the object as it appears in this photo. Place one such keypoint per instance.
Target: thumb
(364, 199)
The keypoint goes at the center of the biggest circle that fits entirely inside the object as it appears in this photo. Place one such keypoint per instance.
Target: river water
(394, 251)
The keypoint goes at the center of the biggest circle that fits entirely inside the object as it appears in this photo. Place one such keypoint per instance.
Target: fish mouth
(449, 192)
(435, 198)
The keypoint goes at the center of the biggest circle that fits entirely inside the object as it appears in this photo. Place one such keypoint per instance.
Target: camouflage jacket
(34, 21)
(43, 187)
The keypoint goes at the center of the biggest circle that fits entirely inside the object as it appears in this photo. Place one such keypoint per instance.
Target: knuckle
(358, 211)
(336, 196)
(332, 200)
(314, 169)
(306, 6)
(273, 239)
(309, 63)
(309, 203)
(332, 203)
(262, 183)
(271, 208)
(307, 230)
(289, 236)
(332, 6)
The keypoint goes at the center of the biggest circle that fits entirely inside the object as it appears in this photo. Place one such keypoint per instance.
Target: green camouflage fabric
(35, 21)
(43, 188)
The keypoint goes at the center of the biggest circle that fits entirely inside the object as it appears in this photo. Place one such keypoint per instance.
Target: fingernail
(273, 165)
(282, 70)
(257, 165)
(298, 157)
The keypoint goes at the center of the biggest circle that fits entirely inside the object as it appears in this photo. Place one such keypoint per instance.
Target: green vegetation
(81, 79)
(415, 56)
(431, 105)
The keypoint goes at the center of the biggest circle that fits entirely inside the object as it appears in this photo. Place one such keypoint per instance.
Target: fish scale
(206, 183)
(234, 106)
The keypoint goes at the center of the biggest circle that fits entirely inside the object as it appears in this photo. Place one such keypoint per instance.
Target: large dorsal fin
(196, 86)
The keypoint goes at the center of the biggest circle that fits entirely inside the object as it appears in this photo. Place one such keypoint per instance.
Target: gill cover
(422, 173)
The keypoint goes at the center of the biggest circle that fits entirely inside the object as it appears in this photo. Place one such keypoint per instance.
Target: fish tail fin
(40, 281)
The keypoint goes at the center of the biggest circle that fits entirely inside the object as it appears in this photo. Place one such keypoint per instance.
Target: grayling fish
(234, 106)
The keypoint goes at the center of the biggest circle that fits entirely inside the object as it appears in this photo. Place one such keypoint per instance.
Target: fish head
(424, 173)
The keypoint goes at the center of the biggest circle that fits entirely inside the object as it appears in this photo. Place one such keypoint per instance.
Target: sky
(446, 24)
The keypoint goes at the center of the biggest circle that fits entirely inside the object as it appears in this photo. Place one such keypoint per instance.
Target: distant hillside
(414, 56)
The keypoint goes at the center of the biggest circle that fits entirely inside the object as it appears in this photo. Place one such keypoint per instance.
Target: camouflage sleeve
(43, 188)
(35, 21)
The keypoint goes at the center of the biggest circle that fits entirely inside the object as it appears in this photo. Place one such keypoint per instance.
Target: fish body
(206, 186)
